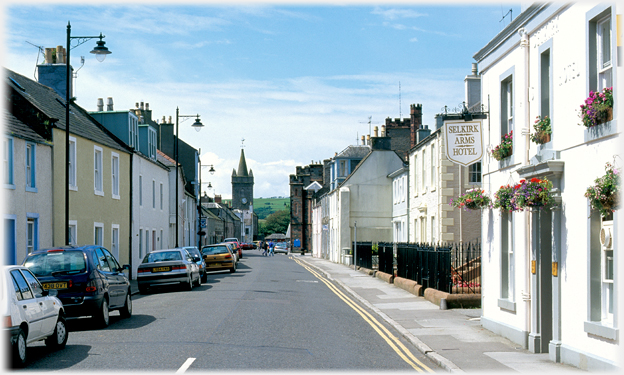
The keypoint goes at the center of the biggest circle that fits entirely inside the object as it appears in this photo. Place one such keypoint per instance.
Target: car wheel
(233, 269)
(189, 284)
(199, 280)
(19, 350)
(126, 310)
(59, 337)
(204, 278)
(103, 317)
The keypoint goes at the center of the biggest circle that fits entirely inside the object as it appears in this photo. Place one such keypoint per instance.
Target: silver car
(168, 267)
(281, 247)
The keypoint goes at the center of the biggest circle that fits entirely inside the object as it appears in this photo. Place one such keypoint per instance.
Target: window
(22, 291)
(545, 83)
(434, 235)
(161, 239)
(507, 258)
(73, 230)
(133, 130)
(7, 171)
(342, 168)
(474, 173)
(115, 174)
(140, 190)
(115, 240)
(102, 262)
(98, 171)
(98, 233)
(151, 141)
(154, 240)
(507, 105)
(433, 166)
(32, 233)
(415, 175)
(147, 242)
(72, 164)
(603, 43)
(153, 194)
(607, 270)
(141, 243)
(161, 196)
(423, 170)
(31, 167)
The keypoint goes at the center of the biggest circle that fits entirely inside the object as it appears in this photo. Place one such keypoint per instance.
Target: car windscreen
(162, 256)
(193, 251)
(56, 263)
(214, 250)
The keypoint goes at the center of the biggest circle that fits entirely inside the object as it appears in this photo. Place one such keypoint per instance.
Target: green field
(263, 207)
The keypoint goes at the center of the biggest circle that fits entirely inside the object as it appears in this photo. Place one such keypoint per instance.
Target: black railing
(451, 268)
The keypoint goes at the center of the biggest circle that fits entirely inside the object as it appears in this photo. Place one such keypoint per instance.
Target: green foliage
(277, 222)
(604, 193)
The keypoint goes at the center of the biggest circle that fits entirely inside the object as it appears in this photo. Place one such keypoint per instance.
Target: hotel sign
(464, 141)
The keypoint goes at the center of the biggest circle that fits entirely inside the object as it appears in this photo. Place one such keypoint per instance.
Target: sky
(298, 82)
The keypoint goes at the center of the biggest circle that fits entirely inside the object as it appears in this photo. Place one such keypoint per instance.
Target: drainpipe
(526, 294)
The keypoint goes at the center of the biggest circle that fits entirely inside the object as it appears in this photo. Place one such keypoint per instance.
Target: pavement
(452, 338)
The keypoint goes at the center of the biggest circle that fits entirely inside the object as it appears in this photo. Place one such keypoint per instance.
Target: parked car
(194, 251)
(219, 257)
(30, 313)
(168, 267)
(281, 247)
(232, 239)
(237, 249)
(88, 279)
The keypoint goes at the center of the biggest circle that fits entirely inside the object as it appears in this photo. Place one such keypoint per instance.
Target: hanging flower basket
(535, 193)
(474, 199)
(598, 108)
(503, 198)
(505, 149)
(604, 194)
(543, 130)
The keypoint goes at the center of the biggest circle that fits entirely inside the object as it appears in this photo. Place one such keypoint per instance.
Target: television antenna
(510, 13)
(370, 118)
(242, 142)
(400, 115)
(37, 63)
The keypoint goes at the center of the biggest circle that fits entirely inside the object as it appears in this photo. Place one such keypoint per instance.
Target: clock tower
(242, 185)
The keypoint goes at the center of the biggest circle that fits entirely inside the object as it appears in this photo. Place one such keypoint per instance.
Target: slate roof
(359, 151)
(14, 127)
(53, 105)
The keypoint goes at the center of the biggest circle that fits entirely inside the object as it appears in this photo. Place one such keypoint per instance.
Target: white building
(548, 284)
(400, 199)
(362, 200)
(27, 171)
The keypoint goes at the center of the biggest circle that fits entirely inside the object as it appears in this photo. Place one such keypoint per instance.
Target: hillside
(263, 207)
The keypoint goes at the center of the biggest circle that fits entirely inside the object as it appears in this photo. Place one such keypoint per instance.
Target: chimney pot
(100, 104)
(147, 106)
(142, 106)
(474, 69)
(376, 130)
(109, 103)
(59, 55)
(136, 105)
(383, 130)
(171, 122)
(164, 121)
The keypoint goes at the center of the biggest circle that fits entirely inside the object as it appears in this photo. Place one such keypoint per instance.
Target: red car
(247, 246)
(236, 248)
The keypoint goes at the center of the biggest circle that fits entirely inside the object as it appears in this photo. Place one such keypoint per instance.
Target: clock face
(244, 200)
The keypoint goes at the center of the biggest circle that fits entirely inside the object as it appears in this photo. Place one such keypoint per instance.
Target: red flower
(534, 179)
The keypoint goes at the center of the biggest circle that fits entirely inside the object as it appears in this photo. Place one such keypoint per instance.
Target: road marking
(390, 339)
(185, 366)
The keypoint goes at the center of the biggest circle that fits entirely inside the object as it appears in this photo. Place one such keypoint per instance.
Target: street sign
(202, 223)
(464, 141)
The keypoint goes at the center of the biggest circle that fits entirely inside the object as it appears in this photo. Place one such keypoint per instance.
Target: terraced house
(99, 168)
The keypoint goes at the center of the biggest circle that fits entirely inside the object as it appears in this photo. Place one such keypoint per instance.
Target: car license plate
(59, 285)
(161, 269)
(215, 265)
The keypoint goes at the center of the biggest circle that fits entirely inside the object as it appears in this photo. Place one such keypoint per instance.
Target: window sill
(9, 186)
(600, 131)
(507, 304)
(115, 196)
(599, 329)
(73, 187)
(100, 193)
(31, 189)
(506, 162)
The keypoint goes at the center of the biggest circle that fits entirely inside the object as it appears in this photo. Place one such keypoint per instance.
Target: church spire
(242, 166)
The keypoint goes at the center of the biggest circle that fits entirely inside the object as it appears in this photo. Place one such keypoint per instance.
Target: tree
(277, 222)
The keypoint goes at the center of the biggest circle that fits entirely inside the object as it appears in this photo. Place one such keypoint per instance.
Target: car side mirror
(126, 267)
(196, 259)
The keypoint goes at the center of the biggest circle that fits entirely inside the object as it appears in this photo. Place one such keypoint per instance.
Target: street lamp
(199, 206)
(197, 125)
(100, 52)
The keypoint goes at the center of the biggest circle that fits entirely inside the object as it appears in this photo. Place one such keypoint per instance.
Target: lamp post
(100, 52)
(197, 125)
(199, 205)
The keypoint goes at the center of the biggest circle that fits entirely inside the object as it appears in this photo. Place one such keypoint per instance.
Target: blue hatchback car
(88, 279)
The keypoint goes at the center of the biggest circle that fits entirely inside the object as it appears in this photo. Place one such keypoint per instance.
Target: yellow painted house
(99, 171)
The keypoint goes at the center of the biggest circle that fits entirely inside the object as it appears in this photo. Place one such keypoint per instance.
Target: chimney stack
(109, 104)
(100, 104)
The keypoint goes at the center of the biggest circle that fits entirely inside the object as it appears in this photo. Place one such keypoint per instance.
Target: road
(274, 313)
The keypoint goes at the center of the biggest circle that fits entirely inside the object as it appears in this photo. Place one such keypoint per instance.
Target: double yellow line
(390, 339)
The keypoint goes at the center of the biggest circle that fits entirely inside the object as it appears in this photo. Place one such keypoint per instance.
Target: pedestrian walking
(265, 246)
(271, 247)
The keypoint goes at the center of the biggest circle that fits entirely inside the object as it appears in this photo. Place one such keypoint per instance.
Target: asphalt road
(274, 313)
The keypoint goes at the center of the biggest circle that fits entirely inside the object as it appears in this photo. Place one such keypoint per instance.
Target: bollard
(443, 305)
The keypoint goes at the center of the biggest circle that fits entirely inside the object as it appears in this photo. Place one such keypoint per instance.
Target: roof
(52, 104)
(358, 151)
(16, 128)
